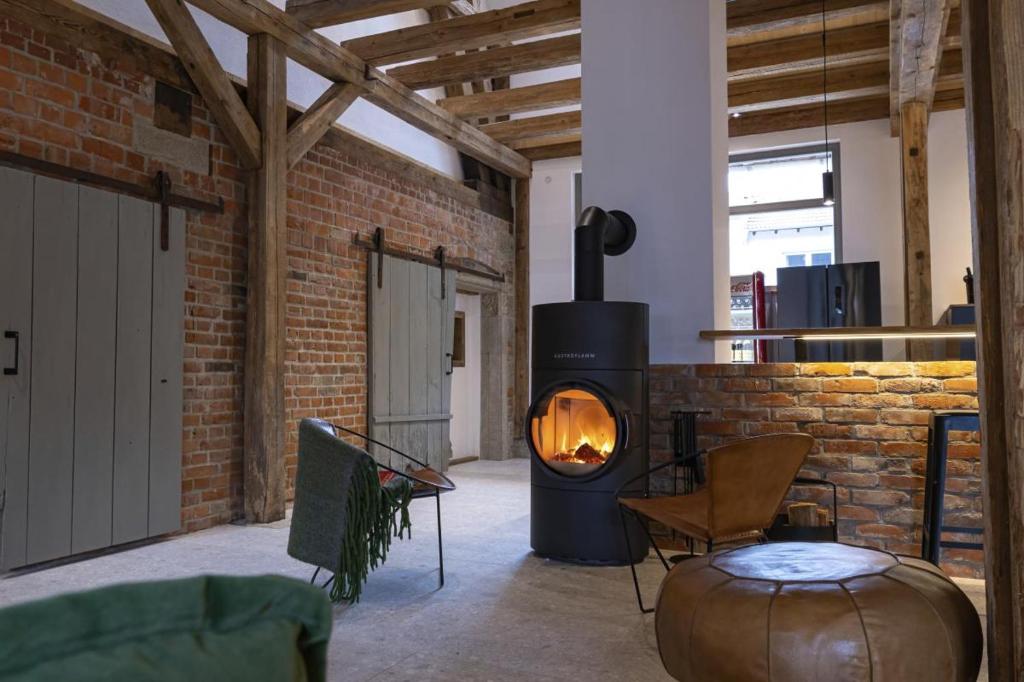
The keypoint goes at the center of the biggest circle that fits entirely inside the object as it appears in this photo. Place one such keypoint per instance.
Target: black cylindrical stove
(587, 423)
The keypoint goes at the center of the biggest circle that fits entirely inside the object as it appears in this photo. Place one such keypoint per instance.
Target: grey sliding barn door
(91, 393)
(411, 328)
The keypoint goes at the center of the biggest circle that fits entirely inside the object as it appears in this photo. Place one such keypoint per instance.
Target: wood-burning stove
(587, 423)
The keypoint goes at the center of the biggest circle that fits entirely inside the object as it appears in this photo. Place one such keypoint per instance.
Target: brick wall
(70, 106)
(871, 425)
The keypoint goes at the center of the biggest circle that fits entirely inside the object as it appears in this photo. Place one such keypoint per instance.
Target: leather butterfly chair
(747, 481)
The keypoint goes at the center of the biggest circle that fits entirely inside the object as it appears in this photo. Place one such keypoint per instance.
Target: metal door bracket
(439, 255)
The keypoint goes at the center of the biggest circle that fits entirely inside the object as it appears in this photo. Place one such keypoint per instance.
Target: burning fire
(585, 452)
(576, 433)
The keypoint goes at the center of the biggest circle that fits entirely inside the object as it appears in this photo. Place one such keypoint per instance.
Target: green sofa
(218, 628)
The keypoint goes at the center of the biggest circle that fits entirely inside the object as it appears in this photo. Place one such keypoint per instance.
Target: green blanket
(220, 629)
(344, 516)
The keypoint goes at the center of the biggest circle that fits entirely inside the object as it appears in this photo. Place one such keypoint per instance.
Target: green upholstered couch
(197, 629)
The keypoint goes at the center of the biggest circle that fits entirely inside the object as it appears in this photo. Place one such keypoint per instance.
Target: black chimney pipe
(598, 234)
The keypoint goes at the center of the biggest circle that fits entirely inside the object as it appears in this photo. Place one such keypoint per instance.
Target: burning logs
(584, 454)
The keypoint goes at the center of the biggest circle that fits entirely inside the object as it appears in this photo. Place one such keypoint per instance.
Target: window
(459, 340)
(821, 259)
(776, 215)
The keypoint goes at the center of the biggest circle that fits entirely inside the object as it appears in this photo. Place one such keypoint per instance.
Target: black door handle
(839, 300)
(451, 363)
(10, 371)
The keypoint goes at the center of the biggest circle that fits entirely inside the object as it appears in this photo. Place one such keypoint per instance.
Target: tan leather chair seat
(815, 611)
(685, 513)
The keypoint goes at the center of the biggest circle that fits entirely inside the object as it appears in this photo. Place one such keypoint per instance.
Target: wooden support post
(917, 259)
(265, 317)
(521, 390)
(993, 53)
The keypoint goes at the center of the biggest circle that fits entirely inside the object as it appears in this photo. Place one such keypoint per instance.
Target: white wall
(872, 204)
(949, 208)
(656, 147)
(465, 425)
(304, 86)
(552, 221)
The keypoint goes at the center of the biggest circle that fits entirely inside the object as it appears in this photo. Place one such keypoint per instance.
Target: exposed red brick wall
(72, 107)
(871, 425)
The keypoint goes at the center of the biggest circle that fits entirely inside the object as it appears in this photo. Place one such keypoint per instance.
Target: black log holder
(687, 457)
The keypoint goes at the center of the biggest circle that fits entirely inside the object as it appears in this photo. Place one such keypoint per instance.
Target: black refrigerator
(828, 296)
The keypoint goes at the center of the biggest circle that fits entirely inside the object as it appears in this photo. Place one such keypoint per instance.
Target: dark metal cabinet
(830, 296)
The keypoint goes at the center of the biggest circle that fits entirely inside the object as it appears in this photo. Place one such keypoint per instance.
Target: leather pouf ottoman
(815, 611)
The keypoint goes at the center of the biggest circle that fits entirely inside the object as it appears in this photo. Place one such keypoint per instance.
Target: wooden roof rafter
(500, 61)
(916, 45)
(463, 33)
(334, 62)
(320, 13)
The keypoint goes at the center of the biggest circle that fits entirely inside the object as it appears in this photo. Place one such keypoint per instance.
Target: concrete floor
(502, 615)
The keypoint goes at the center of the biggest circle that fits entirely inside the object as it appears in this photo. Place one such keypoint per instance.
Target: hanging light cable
(828, 185)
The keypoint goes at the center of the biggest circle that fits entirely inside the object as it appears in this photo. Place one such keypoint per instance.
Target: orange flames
(593, 446)
(576, 432)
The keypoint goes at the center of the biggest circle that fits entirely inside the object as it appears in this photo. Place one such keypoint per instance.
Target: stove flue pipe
(598, 234)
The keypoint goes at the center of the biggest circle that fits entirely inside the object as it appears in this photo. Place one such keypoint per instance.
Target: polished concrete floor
(503, 614)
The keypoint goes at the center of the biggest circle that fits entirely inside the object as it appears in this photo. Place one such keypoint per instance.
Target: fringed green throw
(378, 510)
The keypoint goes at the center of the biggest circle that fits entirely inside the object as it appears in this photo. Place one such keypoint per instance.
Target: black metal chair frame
(434, 491)
(685, 460)
(932, 526)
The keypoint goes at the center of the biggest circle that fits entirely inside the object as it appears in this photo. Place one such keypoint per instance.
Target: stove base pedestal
(574, 526)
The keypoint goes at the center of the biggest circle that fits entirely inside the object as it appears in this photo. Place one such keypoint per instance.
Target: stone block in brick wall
(870, 421)
(852, 385)
(944, 369)
(825, 369)
(886, 369)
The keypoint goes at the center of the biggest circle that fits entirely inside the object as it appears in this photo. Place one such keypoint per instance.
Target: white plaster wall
(949, 208)
(654, 105)
(552, 221)
(304, 86)
(872, 201)
(465, 425)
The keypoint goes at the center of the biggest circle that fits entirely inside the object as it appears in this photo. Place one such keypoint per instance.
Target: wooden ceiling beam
(561, 93)
(865, 12)
(210, 79)
(535, 126)
(760, 13)
(847, 81)
(555, 151)
(332, 61)
(318, 13)
(459, 34)
(915, 51)
(525, 144)
(870, 38)
(808, 83)
(501, 61)
(315, 121)
(810, 116)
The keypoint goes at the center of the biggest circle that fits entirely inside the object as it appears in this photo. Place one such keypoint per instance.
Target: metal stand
(684, 446)
(935, 484)
(629, 553)
(440, 550)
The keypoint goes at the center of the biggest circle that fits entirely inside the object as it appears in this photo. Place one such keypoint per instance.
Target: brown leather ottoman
(815, 611)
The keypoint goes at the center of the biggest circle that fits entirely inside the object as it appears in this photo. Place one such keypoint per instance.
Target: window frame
(789, 152)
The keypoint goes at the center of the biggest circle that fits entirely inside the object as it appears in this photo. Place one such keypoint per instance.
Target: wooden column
(521, 390)
(917, 257)
(993, 49)
(265, 318)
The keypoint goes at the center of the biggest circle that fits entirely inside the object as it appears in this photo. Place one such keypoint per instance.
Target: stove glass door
(573, 432)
